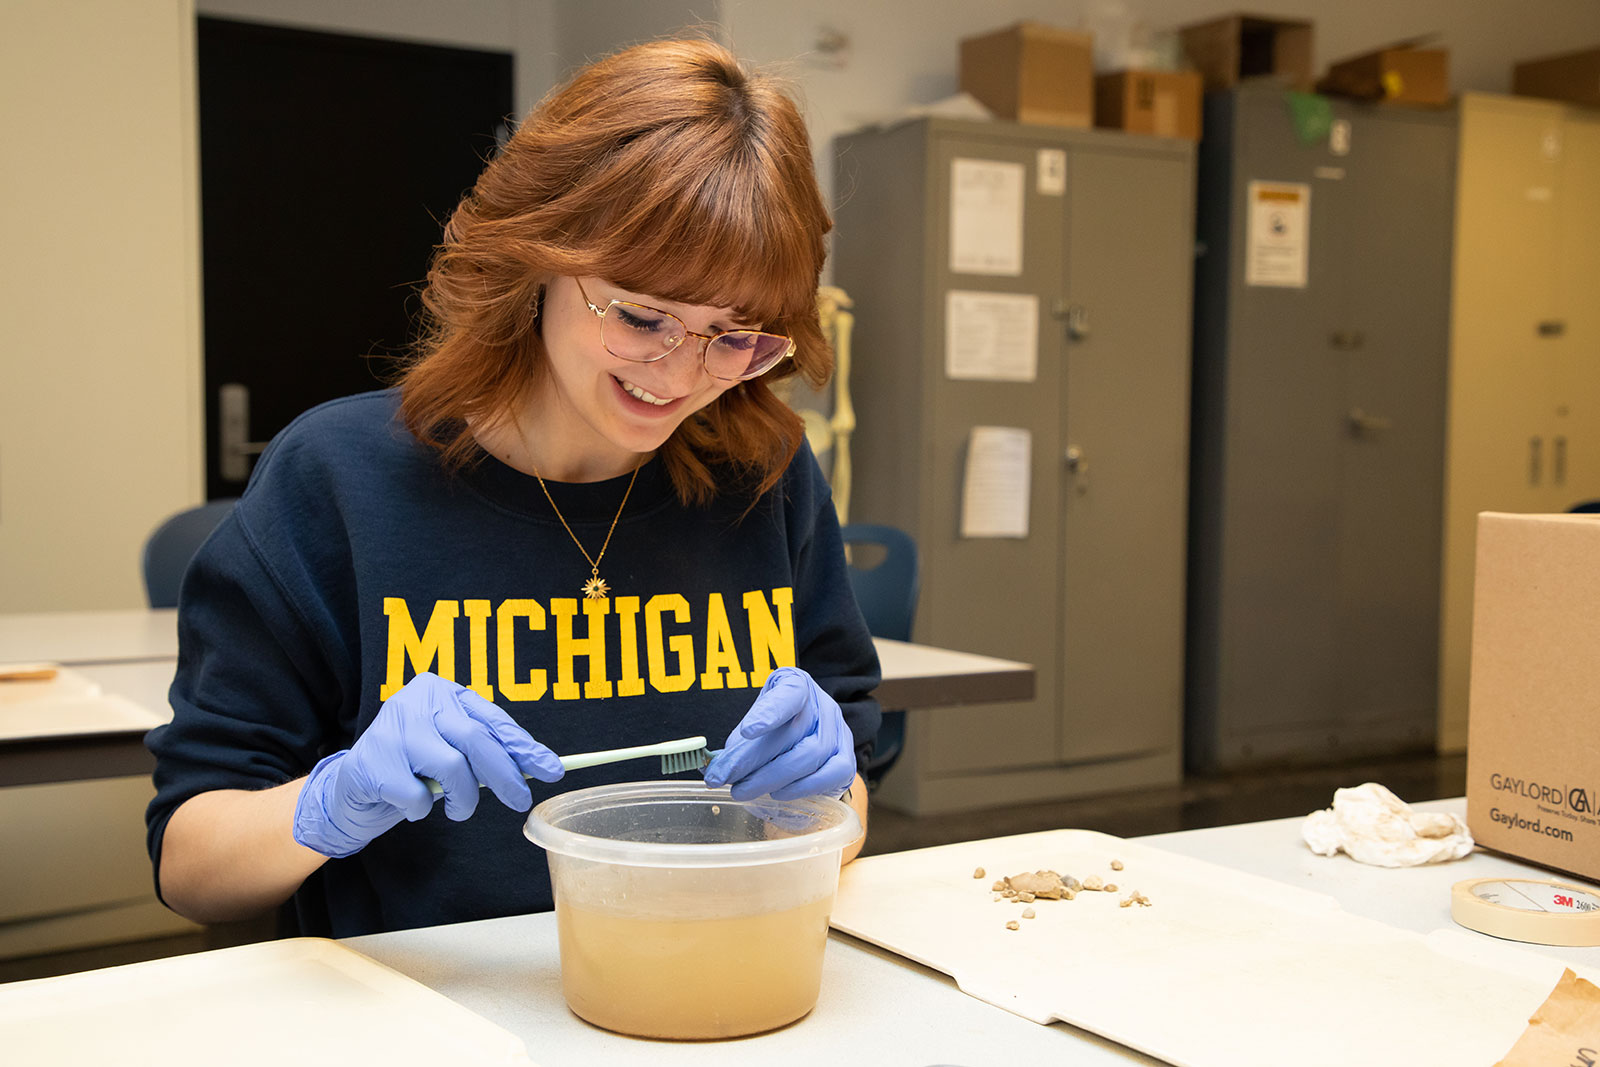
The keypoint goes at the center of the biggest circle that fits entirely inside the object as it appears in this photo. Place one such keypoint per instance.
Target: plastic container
(684, 913)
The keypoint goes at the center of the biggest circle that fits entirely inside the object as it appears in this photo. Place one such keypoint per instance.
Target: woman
(582, 521)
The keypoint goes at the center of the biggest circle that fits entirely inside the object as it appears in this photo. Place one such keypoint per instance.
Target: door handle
(234, 446)
(1535, 460)
(1076, 316)
(1558, 460)
(1078, 466)
(1347, 340)
(1361, 423)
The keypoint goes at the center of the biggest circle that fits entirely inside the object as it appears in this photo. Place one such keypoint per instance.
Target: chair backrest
(887, 592)
(168, 550)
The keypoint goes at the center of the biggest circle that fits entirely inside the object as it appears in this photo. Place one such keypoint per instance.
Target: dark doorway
(328, 165)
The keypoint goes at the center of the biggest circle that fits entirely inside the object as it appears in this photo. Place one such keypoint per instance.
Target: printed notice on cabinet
(1279, 232)
(995, 484)
(985, 217)
(991, 336)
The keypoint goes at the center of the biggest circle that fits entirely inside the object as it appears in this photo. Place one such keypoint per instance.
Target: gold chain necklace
(595, 588)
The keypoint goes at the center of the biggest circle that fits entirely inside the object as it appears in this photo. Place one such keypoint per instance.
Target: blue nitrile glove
(431, 727)
(792, 743)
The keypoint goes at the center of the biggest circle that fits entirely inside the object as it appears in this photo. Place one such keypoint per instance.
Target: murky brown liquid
(692, 978)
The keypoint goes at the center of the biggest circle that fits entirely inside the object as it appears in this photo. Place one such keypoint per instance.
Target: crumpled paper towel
(1375, 826)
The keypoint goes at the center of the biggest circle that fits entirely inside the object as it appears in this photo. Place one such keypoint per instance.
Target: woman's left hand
(792, 743)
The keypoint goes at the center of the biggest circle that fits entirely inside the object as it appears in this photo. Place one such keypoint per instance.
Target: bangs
(719, 229)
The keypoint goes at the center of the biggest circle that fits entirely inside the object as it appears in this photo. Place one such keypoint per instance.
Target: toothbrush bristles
(678, 762)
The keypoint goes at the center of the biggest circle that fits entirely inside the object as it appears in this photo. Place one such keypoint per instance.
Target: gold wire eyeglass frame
(685, 334)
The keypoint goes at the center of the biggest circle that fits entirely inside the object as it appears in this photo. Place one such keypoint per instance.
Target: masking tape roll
(1528, 909)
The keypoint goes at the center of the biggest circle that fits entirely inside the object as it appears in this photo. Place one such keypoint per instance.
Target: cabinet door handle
(1535, 460)
(1558, 461)
(1078, 466)
(1347, 340)
(1076, 316)
(1552, 328)
(1361, 423)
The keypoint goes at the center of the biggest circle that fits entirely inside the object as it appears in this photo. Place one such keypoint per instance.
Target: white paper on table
(991, 336)
(1278, 235)
(985, 217)
(996, 483)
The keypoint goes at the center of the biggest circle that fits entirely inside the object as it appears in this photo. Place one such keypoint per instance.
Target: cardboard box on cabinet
(1032, 72)
(1229, 50)
(1399, 73)
(1573, 77)
(1165, 103)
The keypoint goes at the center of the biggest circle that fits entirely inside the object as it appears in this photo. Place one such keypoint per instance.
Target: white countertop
(80, 637)
(875, 1007)
(879, 1008)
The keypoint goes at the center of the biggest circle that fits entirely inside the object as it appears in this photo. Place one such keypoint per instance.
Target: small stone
(1093, 882)
(1116, 865)
(998, 886)
(1125, 902)
(1069, 894)
(1013, 925)
(1026, 898)
(1027, 913)
(1072, 883)
(978, 873)
(1111, 887)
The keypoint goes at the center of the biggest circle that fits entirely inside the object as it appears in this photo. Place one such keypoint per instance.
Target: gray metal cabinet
(1093, 594)
(1319, 432)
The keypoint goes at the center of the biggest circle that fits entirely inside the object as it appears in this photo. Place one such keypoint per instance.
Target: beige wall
(99, 289)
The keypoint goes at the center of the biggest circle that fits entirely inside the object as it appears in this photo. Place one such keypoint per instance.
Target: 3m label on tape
(1528, 909)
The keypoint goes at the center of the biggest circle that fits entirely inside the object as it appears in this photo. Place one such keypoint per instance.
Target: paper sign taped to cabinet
(996, 483)
(985, 217)
(991, 336)
(1279, 234)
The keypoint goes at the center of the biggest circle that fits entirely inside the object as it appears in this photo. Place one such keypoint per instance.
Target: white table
(84, 637)
(1410, 898)
(134, 654)
(879, 1008)
(876, 1007)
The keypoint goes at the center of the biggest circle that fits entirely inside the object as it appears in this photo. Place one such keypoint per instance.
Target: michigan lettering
(664, 644)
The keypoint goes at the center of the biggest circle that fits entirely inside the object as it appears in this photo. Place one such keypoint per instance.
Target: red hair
(665, 169)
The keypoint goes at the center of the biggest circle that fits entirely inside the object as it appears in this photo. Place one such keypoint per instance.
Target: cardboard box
(1399, 73)
(1533, 762)
(1161, 102)
(1228, 50)
(1032, 73)
(1573, 77)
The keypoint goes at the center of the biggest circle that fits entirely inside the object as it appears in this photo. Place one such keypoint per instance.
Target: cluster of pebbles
(1025, 888)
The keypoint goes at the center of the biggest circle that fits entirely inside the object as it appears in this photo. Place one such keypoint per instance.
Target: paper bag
(1564, 1032)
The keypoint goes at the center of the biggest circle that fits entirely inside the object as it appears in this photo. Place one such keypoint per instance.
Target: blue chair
(887, 593)
(169, 549)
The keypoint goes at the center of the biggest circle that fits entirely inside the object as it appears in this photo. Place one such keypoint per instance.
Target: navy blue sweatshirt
(354, 561)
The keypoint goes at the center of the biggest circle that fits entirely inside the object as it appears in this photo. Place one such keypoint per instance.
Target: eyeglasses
(642, 334)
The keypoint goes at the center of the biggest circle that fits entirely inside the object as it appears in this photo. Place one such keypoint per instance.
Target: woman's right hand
(430, 728)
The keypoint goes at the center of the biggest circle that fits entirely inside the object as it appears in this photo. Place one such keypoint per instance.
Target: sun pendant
(596, 589)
